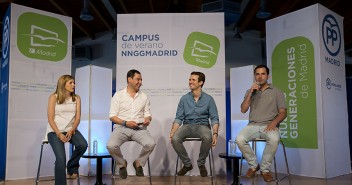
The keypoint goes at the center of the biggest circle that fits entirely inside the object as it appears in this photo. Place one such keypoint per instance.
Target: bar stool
(211, 160)
(40, 162)
(254, 146)
(114, 170)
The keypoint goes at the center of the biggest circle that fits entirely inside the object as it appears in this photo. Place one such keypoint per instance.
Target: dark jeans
(80, 147)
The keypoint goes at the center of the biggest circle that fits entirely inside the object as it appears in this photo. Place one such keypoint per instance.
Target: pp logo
(331, 35)
(42, 37)
(201, 49)
(328, 83)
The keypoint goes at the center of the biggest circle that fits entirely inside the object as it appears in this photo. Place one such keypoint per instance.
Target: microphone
(255, 90)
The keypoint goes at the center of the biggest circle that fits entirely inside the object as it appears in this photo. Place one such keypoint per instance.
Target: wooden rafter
(248, 14)
(151, 6)
(123, 6)
(90, 35)
(100, 16)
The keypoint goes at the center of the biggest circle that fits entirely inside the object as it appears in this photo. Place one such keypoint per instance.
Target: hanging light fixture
(237, 35)
(85, 13)
(262, 13)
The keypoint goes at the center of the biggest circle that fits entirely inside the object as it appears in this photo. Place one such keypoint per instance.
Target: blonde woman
(64, 113)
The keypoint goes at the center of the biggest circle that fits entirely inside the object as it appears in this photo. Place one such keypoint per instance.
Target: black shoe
(203, 171)
(123, 171)
(184, 170)
(139, 170)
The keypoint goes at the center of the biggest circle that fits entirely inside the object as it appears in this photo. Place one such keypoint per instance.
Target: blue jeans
(253, 131)
(80, 147)
(192, 131)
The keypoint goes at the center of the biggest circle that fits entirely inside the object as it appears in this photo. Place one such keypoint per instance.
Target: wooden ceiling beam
(123, 6)
(81, 27)
(100, 16)
(288, 6)
(151, 6)
(251, 15)
(247, 15)
(330, 4)
(7, 1)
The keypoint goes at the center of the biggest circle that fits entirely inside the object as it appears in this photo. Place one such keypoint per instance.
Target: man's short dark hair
(201, 76)
(262, 66)
(131, 73)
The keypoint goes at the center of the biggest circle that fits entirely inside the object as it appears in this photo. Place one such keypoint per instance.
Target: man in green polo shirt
(267, 109)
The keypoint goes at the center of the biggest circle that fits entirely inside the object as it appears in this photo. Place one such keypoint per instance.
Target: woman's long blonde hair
(61, 91)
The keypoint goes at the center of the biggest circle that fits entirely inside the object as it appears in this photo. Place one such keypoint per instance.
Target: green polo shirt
(265, 105)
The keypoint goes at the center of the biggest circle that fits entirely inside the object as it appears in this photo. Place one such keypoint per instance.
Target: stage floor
(189, 180)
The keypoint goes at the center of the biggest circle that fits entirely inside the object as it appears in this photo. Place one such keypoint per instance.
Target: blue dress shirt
(191, 112)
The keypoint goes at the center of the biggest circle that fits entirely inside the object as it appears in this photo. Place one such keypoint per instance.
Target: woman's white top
(64, 116)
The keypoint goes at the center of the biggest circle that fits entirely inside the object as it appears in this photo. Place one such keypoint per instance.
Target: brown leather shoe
(203, 171)
(251, 172)
(139, 169)
(184, 170)
(123, 171)
(73, 176)
(267, 176)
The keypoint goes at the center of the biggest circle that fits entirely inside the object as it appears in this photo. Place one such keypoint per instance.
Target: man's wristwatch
(123, 123)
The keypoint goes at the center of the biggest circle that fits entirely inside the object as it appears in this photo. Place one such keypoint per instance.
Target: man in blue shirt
(194, 111)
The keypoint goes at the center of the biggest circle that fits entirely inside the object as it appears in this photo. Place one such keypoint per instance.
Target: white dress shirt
(130, 108)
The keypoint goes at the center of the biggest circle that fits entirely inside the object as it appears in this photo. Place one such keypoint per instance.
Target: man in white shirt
(130, 112)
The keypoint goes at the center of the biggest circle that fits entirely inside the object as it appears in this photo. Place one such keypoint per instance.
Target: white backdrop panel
(165, 77)
(31, 81)
(325, 159)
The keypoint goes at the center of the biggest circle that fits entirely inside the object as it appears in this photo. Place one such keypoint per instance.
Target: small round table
(99, 157)
(235, 162)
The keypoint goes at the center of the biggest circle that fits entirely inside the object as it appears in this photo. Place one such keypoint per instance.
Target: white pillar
(94, 86)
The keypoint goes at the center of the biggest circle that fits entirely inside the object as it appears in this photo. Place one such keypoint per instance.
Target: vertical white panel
(313, 23)
(82, 79)
(278, 30)
(334, 97)
(241, 79)
(94, 86)
(83, 85)
(33, 77)
(101, 92)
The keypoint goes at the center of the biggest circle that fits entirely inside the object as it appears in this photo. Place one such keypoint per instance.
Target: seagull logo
(36, 37)
(201, 49)
(42, 37)
(204, 53)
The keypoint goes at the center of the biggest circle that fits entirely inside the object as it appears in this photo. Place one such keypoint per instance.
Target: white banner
(306, 54)
(40, 53)
(166, 48)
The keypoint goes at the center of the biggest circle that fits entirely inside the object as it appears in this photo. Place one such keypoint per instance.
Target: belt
(197, 124)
